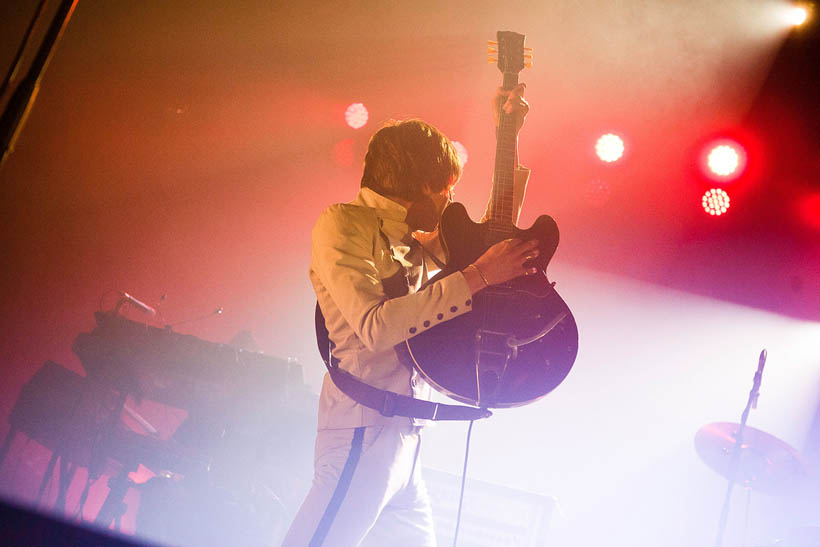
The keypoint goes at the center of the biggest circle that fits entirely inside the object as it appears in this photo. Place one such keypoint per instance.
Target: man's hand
(500, 263)
(513, 103)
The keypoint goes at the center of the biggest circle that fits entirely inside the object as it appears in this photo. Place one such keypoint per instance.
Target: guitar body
(520, 339)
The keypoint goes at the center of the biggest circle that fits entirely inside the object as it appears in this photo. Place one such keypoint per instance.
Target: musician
(369, 259)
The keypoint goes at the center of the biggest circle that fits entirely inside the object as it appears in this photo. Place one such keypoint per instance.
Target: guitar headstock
(509, 52)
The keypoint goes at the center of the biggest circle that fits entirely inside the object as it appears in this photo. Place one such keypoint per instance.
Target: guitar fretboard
(502, 214)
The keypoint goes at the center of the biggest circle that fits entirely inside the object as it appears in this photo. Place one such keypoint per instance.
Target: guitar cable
(463, 482)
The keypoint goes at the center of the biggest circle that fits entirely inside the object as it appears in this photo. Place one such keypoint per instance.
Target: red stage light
(609, 148)
(809, 211)
(461, 150)
(356, 115)
(715, 201)
(724, 160)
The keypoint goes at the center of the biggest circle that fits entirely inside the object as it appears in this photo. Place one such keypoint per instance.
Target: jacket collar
(391, 214)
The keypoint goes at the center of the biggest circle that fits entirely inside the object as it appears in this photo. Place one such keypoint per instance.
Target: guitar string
(501, 205)
(502, 196)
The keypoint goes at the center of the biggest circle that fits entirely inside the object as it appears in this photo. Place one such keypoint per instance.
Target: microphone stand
(734, 462)
(217, 311)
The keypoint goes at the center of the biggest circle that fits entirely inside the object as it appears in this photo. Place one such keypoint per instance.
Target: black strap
(341, 489)
(388, 403)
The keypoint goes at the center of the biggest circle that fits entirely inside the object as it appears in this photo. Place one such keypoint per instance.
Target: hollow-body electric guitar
(520, 339)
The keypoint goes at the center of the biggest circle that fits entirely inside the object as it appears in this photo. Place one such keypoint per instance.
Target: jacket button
(412, 330)
(427, 323)
(468, 303)
(454, 309)
(440, 316)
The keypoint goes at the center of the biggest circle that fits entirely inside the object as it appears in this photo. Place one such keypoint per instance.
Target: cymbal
(767, 464)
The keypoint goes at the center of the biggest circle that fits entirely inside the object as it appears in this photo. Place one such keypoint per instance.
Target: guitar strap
(387, 403)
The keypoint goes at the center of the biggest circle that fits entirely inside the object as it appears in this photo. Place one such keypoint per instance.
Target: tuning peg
(492, 43)
(492, 49)
(528, 55)
(528, 49)
(528, 64)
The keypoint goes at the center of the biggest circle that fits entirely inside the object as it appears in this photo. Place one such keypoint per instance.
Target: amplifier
(492, 515)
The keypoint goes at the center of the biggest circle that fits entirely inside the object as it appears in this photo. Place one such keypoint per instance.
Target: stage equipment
(180, 369)
(244, 451)
(734, 462)
(235, 399)
(762, 461)
(126, 298)
(57, 408)
(492, 516)
(243, 410)
(765, 464)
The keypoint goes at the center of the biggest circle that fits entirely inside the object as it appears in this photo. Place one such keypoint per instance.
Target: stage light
(808, 209)
(796, 16)
(715, 201)
(356, 115)
(609, 148)
(461, 150)
(724, 160)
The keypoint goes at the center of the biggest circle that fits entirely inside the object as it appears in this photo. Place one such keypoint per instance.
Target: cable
(463, 482)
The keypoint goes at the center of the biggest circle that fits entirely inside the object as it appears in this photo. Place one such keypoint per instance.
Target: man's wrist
(475, 278)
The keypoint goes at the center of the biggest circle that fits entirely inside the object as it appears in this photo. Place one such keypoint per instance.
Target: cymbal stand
(734, 461)
(746, 516)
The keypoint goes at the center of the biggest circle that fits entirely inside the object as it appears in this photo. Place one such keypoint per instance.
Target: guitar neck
(502, 214)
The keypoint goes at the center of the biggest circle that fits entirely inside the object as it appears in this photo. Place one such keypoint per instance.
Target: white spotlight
(461, 150)
(356, 115)
(796, 15)
(609, 148)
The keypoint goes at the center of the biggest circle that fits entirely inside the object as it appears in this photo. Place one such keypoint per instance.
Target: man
(369, 259)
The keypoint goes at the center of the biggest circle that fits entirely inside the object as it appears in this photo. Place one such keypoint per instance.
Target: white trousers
(385, 502)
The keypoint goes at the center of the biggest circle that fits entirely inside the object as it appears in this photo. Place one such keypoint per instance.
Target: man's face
(425, 213)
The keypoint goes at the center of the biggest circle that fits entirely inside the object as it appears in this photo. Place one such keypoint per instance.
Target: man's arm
(520, 179)
(342, 257)
(512, 103)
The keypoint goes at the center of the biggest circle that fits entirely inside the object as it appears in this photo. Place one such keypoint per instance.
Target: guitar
(520, 340)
